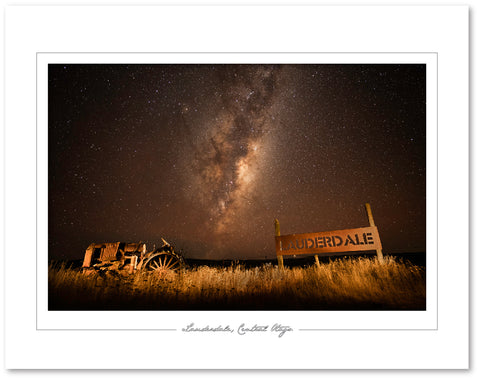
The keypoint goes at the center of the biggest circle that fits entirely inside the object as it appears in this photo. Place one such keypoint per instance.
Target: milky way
(227, 155)
(207, 156)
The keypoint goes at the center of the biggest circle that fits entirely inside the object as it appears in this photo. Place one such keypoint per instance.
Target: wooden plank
(356, 239)
(369, 214)
(372, 224)
(277, 244)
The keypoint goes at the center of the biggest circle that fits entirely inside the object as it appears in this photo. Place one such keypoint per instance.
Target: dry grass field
(341, 284)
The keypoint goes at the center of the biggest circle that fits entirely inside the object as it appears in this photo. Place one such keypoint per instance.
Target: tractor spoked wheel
(164, 262)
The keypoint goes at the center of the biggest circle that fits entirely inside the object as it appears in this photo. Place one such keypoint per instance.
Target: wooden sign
(357, 239)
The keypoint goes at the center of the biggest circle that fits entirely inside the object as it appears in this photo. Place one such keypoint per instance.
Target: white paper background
(418, 29)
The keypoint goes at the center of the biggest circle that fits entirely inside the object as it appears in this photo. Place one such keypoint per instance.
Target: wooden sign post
(340, 241)
(277, 233)
(372, 224)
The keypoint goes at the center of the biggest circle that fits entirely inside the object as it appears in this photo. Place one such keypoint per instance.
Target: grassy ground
(341, 284)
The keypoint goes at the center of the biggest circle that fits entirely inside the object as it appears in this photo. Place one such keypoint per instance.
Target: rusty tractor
(132, 256)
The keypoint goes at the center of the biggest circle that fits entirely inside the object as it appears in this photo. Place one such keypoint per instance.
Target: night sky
(206, 156)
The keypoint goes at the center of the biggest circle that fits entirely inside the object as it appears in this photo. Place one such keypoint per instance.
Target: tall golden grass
(341, 284)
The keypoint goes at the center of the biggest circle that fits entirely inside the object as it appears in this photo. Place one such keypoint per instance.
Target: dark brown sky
(207, 156)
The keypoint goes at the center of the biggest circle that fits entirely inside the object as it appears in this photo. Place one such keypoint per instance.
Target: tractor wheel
(163, 262)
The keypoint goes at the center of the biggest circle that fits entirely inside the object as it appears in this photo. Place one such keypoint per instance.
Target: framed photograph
(265, 189)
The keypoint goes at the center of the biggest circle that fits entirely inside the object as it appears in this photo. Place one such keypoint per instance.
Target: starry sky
(206, 156)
